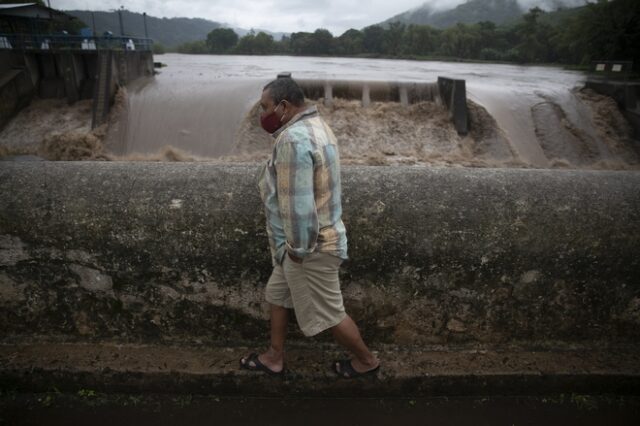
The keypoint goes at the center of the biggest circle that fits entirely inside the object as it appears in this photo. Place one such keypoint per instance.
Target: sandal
(343, 368)
(257, 365)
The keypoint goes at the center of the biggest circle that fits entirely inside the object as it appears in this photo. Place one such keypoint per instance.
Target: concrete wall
(178, 252)
(626, 95)
(16, 86)
(69, 75)
(134, 65)
(453, 94)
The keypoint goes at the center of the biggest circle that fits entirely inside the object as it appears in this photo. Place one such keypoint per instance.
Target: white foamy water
(198, 102)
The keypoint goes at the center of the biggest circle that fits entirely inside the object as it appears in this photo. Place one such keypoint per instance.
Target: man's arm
(275, 229)
(294, 171)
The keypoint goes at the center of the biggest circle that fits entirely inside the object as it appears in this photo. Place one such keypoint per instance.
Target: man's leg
(278, 296)
(273, 358)
(348, 335)
(318, 300)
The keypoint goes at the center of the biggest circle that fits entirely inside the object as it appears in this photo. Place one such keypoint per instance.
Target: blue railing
(58, 42)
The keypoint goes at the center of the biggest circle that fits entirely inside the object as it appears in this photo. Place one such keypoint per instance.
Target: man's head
(281, 100)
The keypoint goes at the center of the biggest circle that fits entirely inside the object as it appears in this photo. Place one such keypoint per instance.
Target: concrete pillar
(454, 95)
(328, 94)
(366, 97)
(403, 94)
(70, 77)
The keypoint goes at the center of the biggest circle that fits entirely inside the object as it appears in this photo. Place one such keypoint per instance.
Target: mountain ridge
(500, 12)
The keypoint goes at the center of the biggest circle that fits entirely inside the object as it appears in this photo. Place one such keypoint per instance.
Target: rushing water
(197, 102)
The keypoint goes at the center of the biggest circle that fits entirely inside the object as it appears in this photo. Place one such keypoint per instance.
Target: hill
(170, 32)
(499, 12)
(167, 31)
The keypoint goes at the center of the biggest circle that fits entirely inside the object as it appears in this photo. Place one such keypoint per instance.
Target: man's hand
(294, 258)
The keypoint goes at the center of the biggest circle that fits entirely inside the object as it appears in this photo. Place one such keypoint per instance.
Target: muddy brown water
(203, 108)
(202, 105)
(87, 408)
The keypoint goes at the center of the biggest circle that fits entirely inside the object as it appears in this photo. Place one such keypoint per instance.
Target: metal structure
(40, 42)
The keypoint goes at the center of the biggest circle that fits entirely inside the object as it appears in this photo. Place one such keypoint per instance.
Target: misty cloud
(284, 15)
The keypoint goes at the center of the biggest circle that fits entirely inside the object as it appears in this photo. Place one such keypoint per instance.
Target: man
(300, 188)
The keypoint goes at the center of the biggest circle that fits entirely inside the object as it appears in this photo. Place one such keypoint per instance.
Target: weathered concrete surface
(178, 253)
(405, 372)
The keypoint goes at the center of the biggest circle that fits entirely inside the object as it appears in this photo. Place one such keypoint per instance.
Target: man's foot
(265, 362)
(351, 368)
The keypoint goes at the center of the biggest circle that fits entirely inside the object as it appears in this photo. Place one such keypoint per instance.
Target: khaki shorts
(311, 288)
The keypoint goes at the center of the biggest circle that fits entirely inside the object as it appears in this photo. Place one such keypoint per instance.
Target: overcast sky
(274, 15)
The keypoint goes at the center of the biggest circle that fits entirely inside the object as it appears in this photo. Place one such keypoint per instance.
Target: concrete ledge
(201, 370)
(177, 252)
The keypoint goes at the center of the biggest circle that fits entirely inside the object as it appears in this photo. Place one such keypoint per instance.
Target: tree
(256, 44)
(420, 40)
(301, 43)
(461, 41)
(158, 49)
(349, 43)
(393, 39)
(221, 40)
(263, 44)
(603, 30)
(535, 38)
(193, 47)
(372, 39)
(321, 42)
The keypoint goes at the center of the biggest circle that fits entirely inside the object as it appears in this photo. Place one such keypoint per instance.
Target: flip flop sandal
(257, 365)
(343, 368)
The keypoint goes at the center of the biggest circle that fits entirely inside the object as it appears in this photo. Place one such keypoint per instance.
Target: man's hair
(285, 89)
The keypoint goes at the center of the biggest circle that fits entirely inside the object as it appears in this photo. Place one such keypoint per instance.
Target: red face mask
(271, 123)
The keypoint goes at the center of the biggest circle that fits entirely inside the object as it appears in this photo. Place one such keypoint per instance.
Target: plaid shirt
(300, 188)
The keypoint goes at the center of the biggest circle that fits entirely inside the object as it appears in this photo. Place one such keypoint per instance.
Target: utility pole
(93, 19)
(146, 33)
(120, 17)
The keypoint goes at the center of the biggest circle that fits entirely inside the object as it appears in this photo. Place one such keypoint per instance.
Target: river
(198, 102)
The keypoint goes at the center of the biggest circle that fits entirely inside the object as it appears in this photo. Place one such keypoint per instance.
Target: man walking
(300, 188)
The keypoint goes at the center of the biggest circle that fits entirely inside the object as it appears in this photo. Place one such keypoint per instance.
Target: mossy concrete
(166, 252)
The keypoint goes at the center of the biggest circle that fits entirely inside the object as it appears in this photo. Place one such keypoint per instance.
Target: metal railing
(57, 42)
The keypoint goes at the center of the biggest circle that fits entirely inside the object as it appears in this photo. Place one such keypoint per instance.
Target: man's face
(267, 105)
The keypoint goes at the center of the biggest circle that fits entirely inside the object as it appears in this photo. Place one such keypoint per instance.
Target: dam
(501, 261)
(523, 116)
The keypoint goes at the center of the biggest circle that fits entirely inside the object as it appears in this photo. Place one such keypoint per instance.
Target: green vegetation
(159, 49)
(221, 40)
(598, 31)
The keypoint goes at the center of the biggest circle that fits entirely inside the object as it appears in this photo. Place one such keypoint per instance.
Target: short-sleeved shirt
(301, 191)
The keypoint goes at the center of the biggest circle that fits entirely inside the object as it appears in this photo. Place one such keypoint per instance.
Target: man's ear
(286, 106)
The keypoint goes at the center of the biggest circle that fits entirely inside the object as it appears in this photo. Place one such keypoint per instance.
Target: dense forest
(596, 31)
